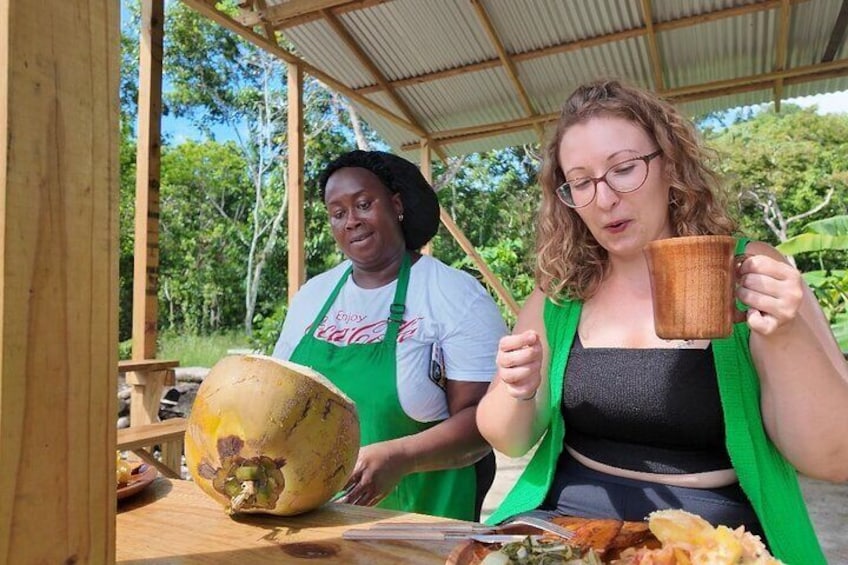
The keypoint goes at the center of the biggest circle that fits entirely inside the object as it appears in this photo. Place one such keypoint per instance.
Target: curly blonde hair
(570, 263)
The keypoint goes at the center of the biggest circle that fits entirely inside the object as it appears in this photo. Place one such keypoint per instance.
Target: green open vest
(765, 476)
(367, 373)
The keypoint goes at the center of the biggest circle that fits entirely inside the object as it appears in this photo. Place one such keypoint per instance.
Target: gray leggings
(580, 491)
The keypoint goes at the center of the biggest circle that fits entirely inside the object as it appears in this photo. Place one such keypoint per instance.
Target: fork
(541, 524)
(470, 528)
(430, 535)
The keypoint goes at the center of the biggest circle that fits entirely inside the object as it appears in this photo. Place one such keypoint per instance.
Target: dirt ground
(828, 505)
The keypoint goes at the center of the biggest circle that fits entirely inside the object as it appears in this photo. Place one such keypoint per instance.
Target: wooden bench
(169, 432)
(148, 378)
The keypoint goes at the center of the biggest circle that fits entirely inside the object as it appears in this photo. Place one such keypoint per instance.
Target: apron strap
(398, 306)
(396, 310)
(329, 303)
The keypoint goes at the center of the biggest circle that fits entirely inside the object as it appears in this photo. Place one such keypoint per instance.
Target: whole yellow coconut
(268, 436)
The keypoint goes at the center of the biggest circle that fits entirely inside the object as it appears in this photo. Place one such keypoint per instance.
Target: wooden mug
(692, 286)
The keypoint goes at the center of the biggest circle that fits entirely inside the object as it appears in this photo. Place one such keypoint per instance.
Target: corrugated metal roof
(713, 55)
(714, 51)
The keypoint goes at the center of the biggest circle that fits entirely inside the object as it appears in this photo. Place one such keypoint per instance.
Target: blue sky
(178, 130)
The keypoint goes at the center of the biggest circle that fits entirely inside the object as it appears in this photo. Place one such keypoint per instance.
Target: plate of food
(687, 538)
(594, 542)
(132, 479)
(670, 537)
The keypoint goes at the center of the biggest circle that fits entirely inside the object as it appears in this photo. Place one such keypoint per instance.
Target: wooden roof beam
(205, 8)
(658, 27)
(798, 75)
(270, 33)
(366, 62)
(653, 48)
(305, 18)
(502, 129)
(485, 130)
(729, 86)
(249, 14)
(507, 63)
(288, 10)
(781, 49)
(838, 70)
(837, 36)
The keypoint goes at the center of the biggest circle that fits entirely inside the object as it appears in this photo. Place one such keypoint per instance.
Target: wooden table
(174, 522)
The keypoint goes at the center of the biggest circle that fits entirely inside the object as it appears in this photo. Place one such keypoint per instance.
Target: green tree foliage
(205, 201)
(223, 204)
(224, 241)
(127, 156)
(218, 79)
(126, 227)
(785, 168)
(821, 235)
(209, 70)
(830, 285)
(779, 167)
(493, 198)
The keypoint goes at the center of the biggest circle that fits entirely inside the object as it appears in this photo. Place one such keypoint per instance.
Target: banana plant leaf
(817, 278)
(835, 225)
(808, 242)
(840, 332)
(829, 233)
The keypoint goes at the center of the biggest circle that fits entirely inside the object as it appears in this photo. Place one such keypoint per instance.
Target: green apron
(367, 373)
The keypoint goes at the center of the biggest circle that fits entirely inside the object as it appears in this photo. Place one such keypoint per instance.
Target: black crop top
(651, 410)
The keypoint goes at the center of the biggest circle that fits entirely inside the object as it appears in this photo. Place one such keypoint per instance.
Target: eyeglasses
(626, 176)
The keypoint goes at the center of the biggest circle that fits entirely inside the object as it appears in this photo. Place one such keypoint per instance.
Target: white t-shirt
(449, 316)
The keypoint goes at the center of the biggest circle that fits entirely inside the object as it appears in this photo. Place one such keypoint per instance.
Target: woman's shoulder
(436, 270)
(543, 301)
(320, 283)
(455, 294)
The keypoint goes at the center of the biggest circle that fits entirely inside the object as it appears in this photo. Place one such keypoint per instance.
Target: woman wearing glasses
(630, 423)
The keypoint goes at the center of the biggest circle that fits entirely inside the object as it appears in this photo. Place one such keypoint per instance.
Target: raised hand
(519, 363)
(772, 289)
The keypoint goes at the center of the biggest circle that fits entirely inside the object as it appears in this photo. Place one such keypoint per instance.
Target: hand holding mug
(773, 291)
(519, 363)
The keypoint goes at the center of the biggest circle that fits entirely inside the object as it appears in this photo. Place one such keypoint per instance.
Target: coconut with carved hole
(269, 436)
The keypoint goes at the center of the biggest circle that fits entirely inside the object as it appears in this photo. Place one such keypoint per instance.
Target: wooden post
(148, 387)
(297, 271)
(462, 240)
(427, 172)
(59, 77)
(146, 251)
(487, 273)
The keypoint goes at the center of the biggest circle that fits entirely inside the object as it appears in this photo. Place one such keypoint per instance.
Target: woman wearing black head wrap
(410, 339)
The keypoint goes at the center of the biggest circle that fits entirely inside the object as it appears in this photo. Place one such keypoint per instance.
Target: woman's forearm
(452, 443)
(514, 412)
(805, 394)
(510, 425)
